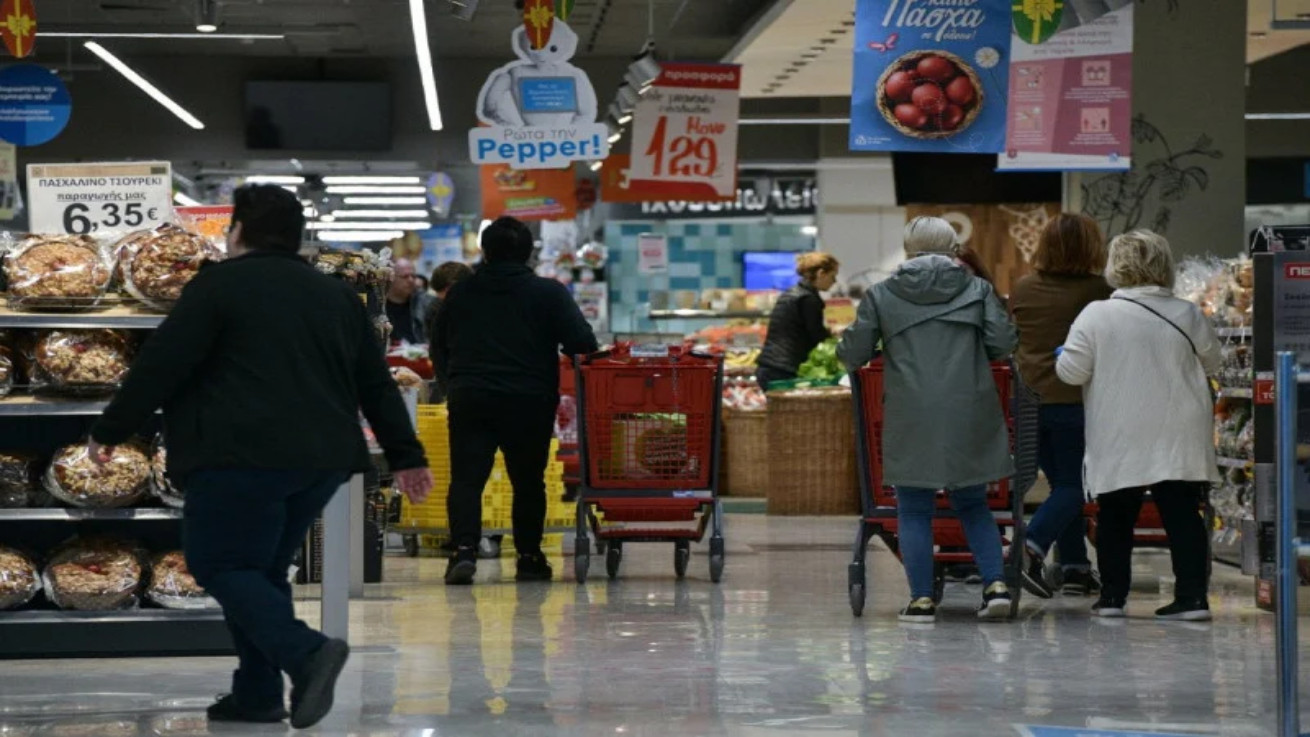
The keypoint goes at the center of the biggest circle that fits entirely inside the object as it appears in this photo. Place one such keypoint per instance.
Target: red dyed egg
(900, 85)
(960, 91)
(910, 116)
(936, 68)
(929, 98)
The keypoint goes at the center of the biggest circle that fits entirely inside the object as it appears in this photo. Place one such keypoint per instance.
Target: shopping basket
(648, 439)
(1004, 496)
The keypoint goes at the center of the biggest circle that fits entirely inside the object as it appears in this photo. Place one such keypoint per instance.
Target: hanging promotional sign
(930, 75)
(18, 27)
(759, 194)
(543, 194)
(91, 198)
(538, 112)
(1070, 88)
(440, 192)
(684, 133)
(34, 105)
(10, 196)
(211, 221)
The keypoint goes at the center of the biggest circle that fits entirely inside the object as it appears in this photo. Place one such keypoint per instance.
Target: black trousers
(1179, 503)
(521, 428)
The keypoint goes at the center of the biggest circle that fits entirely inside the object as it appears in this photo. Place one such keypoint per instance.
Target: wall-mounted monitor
(318, 116)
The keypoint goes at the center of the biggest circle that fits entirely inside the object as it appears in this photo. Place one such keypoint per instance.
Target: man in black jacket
(262, 369)
(497, 343)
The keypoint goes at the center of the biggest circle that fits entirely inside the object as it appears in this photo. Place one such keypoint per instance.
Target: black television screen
(318, 116)
(967, 179)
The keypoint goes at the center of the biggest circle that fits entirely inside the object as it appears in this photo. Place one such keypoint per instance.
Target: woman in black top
(796, 325)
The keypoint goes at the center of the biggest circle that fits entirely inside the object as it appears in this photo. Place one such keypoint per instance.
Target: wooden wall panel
(1004, 235)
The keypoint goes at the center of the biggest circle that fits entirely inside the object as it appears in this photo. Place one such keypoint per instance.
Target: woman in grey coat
(939, 326)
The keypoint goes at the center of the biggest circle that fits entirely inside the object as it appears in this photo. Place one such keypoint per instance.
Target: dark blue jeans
(241, 529)
(1061, 444)
(915, 509)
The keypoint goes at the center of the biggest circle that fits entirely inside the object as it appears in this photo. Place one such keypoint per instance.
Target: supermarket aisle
(772, 651)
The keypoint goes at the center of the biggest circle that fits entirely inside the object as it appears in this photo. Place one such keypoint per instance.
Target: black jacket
(500, 331)
(264, 363)
(795, 328)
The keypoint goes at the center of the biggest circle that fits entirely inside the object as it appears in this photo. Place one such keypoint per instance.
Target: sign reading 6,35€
(685, 130)
(96, 198)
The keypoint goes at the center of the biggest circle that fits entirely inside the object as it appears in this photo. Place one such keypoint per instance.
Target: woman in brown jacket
(1069, 260)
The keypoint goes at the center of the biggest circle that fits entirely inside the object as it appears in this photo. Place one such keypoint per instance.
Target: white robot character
(541, 88)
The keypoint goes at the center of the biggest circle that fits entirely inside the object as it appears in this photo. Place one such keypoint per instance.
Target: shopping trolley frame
(880, 519)
(637, 504)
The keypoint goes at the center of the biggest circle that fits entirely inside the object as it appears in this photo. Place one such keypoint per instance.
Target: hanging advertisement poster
(11, 197)
(18, 27)
(34, 105)
(1070, 87)
(440, 193)
(539, 111)
(543, 194)
(684, 133)
(930, 75)
(211, 221)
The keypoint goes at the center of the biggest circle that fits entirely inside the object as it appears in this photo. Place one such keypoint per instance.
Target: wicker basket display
(745, 453)
(812, 453)
(906, 63)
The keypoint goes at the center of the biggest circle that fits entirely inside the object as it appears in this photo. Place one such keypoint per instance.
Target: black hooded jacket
(795, 327)
(500, 332)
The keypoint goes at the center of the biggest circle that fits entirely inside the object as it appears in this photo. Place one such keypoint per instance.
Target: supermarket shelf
(27, 405)
(707, 315)
(73, 515)
(138, 632)
(1234, 462)
(1236, 392)
(109, 317)
(1245, 332)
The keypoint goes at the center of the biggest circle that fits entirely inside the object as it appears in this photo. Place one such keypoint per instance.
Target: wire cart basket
(1004, 497)
(648, 440)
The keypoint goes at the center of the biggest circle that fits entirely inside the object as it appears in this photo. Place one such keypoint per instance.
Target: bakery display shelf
(116, 316)
(707, 315)
(41, 633)
(1236, 392)
(1240, 332)
(30, 405)
(1234, 462)
(75, 515)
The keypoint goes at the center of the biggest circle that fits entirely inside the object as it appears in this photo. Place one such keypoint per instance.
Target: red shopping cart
(566, 429)
(1005, 496)
(648, 436)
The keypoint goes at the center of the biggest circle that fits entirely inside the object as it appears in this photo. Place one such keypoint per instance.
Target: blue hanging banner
(930, 78)
(34, 105)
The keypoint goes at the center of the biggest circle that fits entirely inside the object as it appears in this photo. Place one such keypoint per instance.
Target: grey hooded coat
(939, 326)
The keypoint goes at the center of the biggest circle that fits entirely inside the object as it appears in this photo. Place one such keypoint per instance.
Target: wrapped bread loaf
(58, 267)
(74, 478)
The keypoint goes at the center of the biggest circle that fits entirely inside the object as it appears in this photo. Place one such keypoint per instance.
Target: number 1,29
(702, 151)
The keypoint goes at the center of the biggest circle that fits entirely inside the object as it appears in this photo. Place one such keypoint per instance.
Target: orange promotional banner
(617, 186)
(528, 194)
(18, 27)
(211, 221)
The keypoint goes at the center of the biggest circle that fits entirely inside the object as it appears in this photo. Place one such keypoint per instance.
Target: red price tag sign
(685, 130)
(1264, 390)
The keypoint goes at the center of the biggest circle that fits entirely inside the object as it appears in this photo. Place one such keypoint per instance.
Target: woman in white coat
(1143, 358)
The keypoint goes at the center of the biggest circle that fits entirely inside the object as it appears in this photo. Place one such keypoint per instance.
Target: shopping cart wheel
(613, 557)
(938, 582)
(581, 559)
(716, 559)
(411, 545)
(855, 576)
(681, 556)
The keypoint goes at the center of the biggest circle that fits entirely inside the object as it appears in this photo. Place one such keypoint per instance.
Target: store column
(858, 219)
(1188, 179)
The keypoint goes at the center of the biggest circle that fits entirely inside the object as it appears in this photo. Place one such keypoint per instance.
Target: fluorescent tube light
(596, 165)
(372, 180)
(810, 230)
(1278, 116)
(359, 236)
(207, 16)
(419, 20)
(364, 225)
(181, 199)
(175, 36)
(273, 179)
(381, 213)
(144, 85)
(356, 189)
(375, 201)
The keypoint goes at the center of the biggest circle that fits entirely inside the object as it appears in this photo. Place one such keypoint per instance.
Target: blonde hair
(930, 235)
(1140, 258)
(808, 265)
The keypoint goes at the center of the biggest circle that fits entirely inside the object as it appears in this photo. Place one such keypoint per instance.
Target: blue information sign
(548, 94)
(34, 105)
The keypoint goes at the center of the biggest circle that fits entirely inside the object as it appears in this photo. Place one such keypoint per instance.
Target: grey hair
(930, 235)
(1140, 258)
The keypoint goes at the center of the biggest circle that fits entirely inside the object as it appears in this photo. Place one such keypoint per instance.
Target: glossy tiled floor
(773, 650)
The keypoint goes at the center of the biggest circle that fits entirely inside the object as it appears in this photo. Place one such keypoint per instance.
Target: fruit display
(743, 393)
(930, 94)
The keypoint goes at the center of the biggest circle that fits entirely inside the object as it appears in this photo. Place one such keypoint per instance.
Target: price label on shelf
(86, 199)
(685, 130)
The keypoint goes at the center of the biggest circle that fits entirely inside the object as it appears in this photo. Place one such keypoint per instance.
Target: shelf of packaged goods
(1234, 462)
(1245, 332)
(707, 315)
(27, 405)
(1235, 392)
(109, 317)
(44, 633)
(74, 515)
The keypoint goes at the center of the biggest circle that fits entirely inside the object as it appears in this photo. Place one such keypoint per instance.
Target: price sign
(99, 198)
(685, 130)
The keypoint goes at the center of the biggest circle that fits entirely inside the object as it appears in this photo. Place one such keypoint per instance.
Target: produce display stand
(1004, 497)
(648, 434)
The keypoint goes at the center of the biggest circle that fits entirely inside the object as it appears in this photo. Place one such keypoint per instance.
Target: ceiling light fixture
(191, 36)
(418, 19)
(1278, 116)
(405, 225)
(144, 85)
(644, 70)
(380, 213)
(207, 16)
(596, 165)
(375, 201)
(372, 180)
(370, 189)
(182, 199)
(359, 236)
(273, 179)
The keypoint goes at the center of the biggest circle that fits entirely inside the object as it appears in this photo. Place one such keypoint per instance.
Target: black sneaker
(1109, 608)
(1034, 576)
(226, 709)
(1185, 610)
(463, 566)
(313, 689)
(996, 602)
(1078, 582)
(919, 611)
(533, 567)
